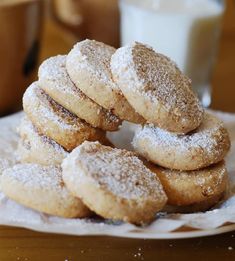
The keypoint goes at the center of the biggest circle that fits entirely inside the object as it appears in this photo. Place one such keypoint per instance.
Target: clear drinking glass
(185, 30)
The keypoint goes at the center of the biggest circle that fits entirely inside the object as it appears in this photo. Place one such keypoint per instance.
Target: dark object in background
(92, 19)
(31, 59)
(20, 31)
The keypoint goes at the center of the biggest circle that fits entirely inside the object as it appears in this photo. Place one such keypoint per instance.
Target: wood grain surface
(25, 245)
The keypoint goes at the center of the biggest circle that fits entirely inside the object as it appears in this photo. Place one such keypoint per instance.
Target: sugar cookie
(207, 145)
(114, 183)
(201, 188)
(55, 81)
(88, 65)
(54, 121)
(156, 88)
(41, 188)
(36, 148)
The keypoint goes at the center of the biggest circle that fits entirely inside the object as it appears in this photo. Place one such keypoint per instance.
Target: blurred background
(33, 30)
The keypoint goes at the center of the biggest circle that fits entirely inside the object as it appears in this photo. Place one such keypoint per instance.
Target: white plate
(170, 235)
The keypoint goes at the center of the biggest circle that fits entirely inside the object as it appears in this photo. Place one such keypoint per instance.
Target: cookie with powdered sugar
(55, 122)
(114, 183)
(41, 188)
(55, 81)
(207, 145)
(36, 148)
(193, 190)
(88, 65)
(156, 88)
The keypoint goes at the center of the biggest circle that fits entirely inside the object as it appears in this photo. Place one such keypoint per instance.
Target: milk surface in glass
(185, 30)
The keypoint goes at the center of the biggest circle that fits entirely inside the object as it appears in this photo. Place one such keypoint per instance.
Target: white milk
(185, 30)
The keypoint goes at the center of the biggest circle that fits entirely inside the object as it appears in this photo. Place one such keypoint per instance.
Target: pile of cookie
(69, 168)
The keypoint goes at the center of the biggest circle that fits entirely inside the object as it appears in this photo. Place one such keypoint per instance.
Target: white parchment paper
(14, 214)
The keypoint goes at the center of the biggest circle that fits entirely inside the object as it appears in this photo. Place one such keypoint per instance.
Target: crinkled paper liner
(167, 225)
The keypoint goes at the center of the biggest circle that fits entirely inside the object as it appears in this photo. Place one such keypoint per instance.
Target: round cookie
(114, 183)
(41, 188)
(193, 190)
(88, 65)
(207, 145)
(54, 121)
(36, 148)
(55, 81)
(156, 88)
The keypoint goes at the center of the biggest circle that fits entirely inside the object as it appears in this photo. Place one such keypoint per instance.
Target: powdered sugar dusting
(41, 188)
(94, 57)
(207, 137)
(33, 143)
(34, 176)
(158, 79)
(9, 141)
(118, 171)
(37, 102)
(4, 164)
(53, 77)
(53, 71)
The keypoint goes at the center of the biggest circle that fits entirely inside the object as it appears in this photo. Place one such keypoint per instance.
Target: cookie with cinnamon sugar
(36, 148)
(193, 190)
(55, 122)
(207, 145)
(88, 65)
(55, 81)
(41, 188)
(114, 183)
(156, 88)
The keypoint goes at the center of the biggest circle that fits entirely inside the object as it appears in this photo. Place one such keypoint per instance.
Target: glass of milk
(187, 31)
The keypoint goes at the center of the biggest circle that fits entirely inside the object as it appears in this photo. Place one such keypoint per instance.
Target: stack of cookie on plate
(187, 143)
(70, 169)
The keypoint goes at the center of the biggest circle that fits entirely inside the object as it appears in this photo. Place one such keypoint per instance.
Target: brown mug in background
(93, 19)
(20, 33)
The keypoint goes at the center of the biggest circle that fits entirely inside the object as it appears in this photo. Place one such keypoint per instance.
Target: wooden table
(24, 245)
